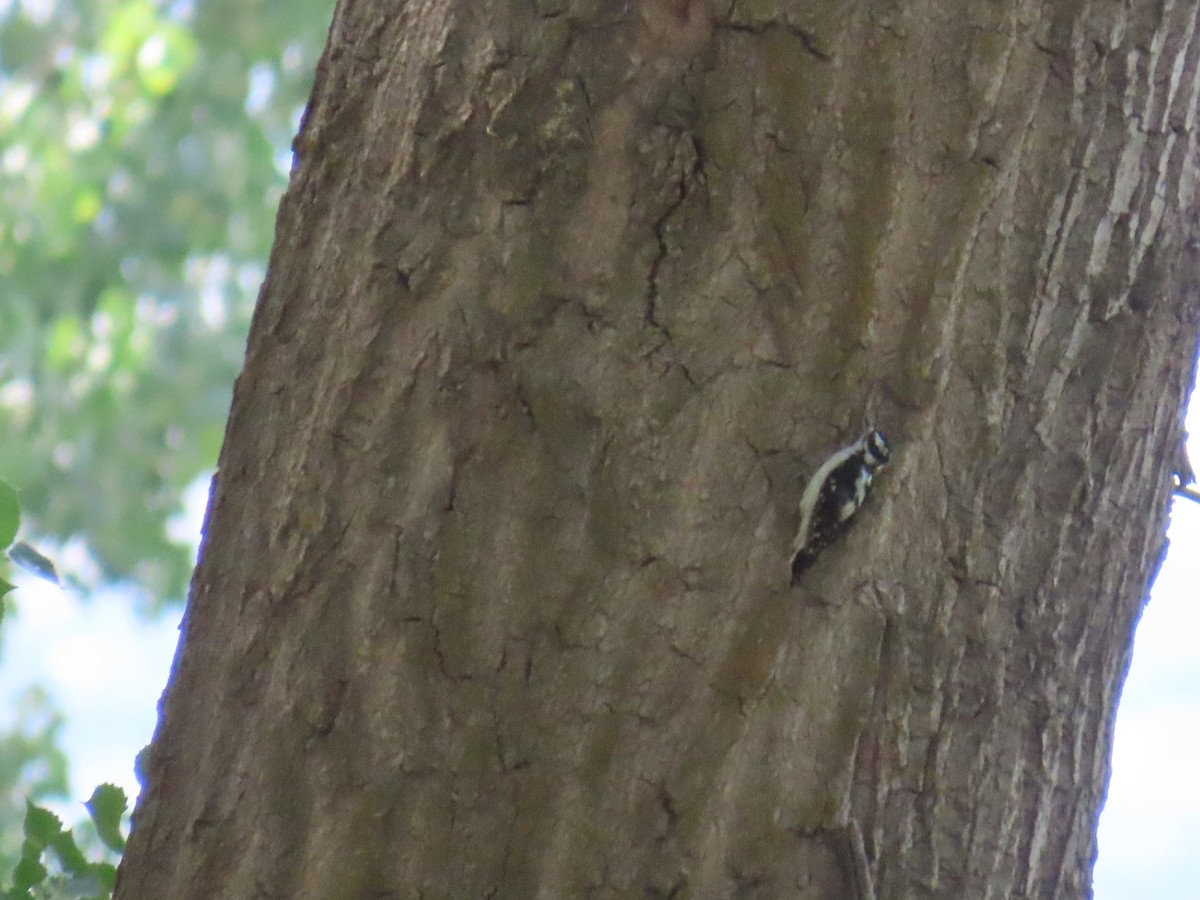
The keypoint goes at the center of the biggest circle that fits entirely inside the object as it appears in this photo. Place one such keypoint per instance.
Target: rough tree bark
(567, 299)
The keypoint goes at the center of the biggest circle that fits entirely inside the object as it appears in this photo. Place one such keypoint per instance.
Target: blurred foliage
(53, 866)
(144, 150)
(32, 767)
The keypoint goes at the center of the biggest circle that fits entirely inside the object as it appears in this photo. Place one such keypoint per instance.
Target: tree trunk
(567, 301)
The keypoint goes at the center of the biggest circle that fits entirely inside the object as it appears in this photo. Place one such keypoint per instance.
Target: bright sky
(106, 669)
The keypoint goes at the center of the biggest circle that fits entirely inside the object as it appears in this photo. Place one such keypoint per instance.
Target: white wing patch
(812, 492)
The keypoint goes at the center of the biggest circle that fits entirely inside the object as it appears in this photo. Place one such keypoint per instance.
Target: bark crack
(808, 39)
(691, 176)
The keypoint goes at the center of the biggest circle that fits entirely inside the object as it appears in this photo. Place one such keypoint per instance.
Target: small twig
(1191, 493)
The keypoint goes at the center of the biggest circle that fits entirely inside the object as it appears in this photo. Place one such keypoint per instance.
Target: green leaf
(41, 825)
(28, 872)
(106, 874)
(69, 855)
(106, 807)
(10, 514)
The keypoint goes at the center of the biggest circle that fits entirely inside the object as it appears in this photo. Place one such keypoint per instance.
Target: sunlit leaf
(65, 344)
(127, 28)
(88, 204)
(164, 57)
